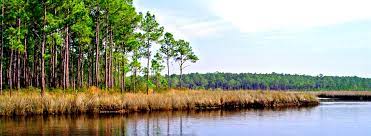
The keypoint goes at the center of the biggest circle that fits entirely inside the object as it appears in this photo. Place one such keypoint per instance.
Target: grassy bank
(345, 95)
(95, 101)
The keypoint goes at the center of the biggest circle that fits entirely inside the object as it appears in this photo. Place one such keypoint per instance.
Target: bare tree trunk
(181, 71)
(168, 72)
(66, 60)
(157, 81)
(120, 77)
(14, 76)
(1, 48)
(67, 57)
(148, 67)
(181, 77)
(82, 73)
(111, 81)
(135, 79)
(90, 66)
(34, 68)
(79, 67)
(42, 55)
(59, 66)
(18, 63)
(123, 84)
(64, 64)
(106, 65)
(18, 70)
(72, 77)
(109, 57)
(25, 64)
(97, 51)
(106, 54)
(10, 79)
(53, 76)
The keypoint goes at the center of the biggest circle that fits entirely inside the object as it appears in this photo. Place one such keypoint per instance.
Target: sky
(311, 37)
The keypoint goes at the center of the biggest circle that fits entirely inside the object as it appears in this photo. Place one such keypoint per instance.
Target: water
(330, 118)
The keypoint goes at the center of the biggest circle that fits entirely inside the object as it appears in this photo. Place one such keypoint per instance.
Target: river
(329, 118)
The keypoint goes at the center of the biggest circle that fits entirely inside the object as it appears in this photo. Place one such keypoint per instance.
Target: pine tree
(151, 33)
(184, 54)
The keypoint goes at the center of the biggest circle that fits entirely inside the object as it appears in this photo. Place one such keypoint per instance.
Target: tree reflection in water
(137, 124)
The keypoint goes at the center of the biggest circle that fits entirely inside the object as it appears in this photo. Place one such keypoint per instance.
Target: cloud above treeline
(267, 15)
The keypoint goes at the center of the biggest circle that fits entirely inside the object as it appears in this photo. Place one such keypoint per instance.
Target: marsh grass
(95, 101)
(345, 95)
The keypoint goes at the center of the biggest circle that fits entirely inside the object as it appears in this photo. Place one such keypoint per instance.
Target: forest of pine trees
(273, 81)
(71, 44)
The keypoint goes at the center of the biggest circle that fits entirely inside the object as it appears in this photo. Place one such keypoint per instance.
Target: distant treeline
(274, 81)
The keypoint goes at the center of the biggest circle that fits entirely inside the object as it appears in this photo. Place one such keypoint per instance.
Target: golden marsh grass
(345, 95)
(93, 102)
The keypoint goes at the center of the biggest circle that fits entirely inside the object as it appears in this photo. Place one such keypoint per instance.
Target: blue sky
(331, 37)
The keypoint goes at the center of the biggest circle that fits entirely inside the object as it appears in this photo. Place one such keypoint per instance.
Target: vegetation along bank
(97, 102)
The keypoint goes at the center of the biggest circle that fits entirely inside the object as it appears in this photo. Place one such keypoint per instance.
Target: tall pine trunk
(148, 67)
(97, 50)
(66, 62)
(72, 76)
(168, 71)
(25, 64)
(90, 66)
(1, 48)
(123, 84)
(18, 70)
(53, 61)
(10, 69)
(18, 63)
(14, 67)
(79, 74)
(181, 71)
(135, 80)
(111, 81)
(119, 75)
(35, 63)
(106, 54)
(106, 65)
(66, 81)
(157, 81)
(181, 77)
(42, 54)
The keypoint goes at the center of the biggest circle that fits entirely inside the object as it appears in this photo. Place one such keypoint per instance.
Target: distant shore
(95, 101)
(344, 95)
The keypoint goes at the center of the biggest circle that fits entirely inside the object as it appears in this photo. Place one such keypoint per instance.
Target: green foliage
(68, 35)
(184, 52)
(168, 45)
(274, 81)
(151, 29)
(157, 64)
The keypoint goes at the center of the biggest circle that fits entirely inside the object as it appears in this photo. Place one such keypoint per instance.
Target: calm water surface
(330, 118)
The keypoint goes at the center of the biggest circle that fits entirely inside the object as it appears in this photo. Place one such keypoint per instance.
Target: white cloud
(268, 15)
(188, 27)
(204, 28)
(184, 25)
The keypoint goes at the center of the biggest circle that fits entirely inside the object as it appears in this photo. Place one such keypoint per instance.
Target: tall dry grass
(95, 101)
(343, 93)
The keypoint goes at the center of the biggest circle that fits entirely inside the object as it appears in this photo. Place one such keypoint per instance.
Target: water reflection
(137, 124)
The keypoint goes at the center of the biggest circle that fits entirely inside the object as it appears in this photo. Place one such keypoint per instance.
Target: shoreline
(114, 103)
(344, 95)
